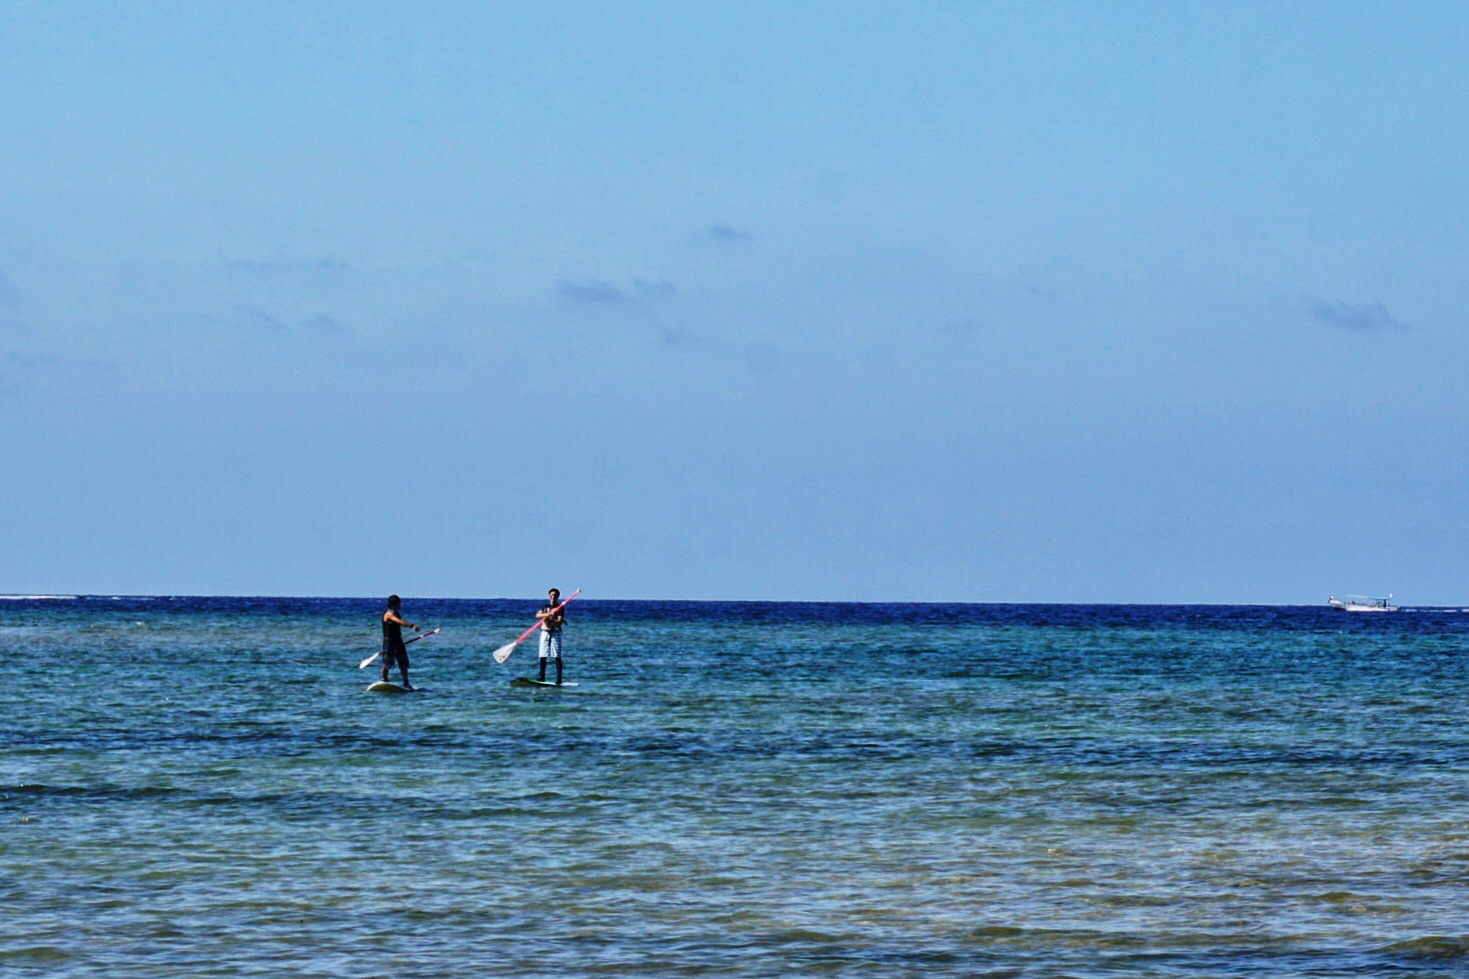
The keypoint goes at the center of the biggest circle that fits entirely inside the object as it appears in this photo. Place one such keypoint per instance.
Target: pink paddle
(503, 653)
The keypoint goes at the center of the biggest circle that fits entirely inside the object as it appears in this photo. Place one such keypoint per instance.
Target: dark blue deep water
(202, 787)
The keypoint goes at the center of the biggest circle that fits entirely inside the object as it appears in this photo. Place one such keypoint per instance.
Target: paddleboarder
(393, 649)
(552, 619)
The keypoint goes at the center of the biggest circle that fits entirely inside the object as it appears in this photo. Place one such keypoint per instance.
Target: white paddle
(368, 662)
(503, 653)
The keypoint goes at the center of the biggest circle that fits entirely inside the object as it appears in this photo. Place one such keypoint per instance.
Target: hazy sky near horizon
(1136, 302)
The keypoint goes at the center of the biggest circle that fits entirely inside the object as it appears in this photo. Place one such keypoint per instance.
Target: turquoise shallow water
(197, 787)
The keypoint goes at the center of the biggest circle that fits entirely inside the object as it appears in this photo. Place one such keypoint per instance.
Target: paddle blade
(503, 653)
(368, 662)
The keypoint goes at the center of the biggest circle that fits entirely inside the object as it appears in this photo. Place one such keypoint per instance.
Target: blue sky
(954, 302)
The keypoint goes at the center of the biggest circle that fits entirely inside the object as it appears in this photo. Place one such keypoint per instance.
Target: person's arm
(394, 617)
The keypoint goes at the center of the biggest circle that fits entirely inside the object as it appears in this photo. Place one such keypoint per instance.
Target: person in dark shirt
(393, 649)
(552, 619)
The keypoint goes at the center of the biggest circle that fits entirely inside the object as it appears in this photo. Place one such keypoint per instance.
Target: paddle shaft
(368, 662)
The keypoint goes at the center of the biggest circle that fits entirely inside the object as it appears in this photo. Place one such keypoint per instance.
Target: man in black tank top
(393, 649)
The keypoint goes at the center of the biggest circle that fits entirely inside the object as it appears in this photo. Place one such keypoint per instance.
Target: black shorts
(395, 653)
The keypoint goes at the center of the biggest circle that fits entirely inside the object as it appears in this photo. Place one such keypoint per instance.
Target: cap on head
(394, 601)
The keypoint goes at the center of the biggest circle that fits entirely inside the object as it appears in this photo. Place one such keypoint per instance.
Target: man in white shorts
(552, 619)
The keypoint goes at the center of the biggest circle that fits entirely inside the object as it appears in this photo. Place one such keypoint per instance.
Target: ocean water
(201, 787)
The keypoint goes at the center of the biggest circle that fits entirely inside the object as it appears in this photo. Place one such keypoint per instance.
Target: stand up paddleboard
(383, 686)
(527, 682)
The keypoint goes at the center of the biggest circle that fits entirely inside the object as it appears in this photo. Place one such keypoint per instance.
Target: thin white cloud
(1369, 317)
(10, 295)
(600, 292)
(725, 232)
(594, 293)
(280, 266)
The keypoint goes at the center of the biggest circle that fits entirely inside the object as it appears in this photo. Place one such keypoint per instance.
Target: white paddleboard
(383, 686)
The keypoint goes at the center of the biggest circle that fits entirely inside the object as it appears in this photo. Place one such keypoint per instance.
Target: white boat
(1361, 603)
